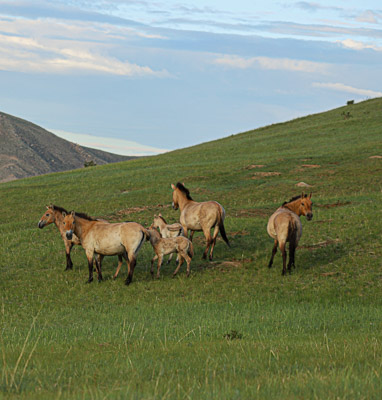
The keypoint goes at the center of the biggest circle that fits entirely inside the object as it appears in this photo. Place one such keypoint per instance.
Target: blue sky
(142, 77)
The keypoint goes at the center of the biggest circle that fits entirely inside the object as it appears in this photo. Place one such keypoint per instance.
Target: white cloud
(349, 89)
(356, 45)
(285, 64)
(112, 145)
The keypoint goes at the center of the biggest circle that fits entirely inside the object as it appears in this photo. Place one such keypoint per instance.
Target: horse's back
(207, 213)
(279, 224)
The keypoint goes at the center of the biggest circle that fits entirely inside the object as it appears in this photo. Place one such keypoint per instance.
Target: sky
(143, 77)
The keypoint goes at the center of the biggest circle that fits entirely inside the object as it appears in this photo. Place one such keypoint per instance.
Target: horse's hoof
(69, 268)
(127, 282)
(269, 265)
(89, 280)
(204, 257)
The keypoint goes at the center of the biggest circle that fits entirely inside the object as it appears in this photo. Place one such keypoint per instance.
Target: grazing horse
(196, 216)
(53, 214)
(167, 230)
(104, 239)
(284, 225)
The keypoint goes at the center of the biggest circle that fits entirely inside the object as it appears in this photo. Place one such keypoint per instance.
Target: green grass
(234, 329)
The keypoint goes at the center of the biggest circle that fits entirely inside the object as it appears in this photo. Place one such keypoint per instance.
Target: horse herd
(100, 238)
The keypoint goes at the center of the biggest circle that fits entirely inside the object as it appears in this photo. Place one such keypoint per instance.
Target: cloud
(112, 145)
(284, 64)
(356, 45)
(369, 16)
(349, 89)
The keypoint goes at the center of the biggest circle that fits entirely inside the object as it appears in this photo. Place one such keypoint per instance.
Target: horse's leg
(292, 249)
(68, 249)
(181, 259)
(98, 261)
(120, 261)
(214, 236)
(170, 258)
(130, 266)
(283, 252)
(90, 256)
(274, 251)
(191, 235)
(188, 261)
(152, 265)
(160, 260)
(207, 234)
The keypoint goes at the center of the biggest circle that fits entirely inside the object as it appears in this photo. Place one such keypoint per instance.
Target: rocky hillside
(27, 150)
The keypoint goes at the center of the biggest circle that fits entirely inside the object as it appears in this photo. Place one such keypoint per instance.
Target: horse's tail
(221, 226)
(190, 250)
(146, 234)
(292, 234)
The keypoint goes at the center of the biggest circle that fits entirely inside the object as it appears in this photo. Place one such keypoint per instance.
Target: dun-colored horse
(53, 215)
(284, 225)
(196, 216)
(124, 239)
(167, 230)
(163, 246)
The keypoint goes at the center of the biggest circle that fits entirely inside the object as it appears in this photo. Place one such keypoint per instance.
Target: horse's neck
(80, 227)
(161, 224)
(184, 202)
(58, 218)
(294, 207)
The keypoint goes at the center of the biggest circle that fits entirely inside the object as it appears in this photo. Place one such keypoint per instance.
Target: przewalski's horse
(163, 246)
(284, 225)
(196, 216)
(124, 239)
(167, 230)
(53, 215)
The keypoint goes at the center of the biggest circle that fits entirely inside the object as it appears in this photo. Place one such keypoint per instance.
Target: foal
(163, 246)
(284, 225)
(167, 230)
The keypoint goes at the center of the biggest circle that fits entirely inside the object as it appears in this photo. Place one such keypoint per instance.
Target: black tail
(292, 235)
(222, 232)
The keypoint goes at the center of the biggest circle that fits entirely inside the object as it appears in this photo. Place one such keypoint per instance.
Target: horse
(163, 246)
(196, 216)
(98, 238)
(167, 230)
(284, 225)
(53, 214)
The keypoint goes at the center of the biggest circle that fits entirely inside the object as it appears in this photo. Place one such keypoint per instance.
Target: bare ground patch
(258, 175)
(256, 212)
(319, 245)
(338, 204)
(120, 214)
(252, 166)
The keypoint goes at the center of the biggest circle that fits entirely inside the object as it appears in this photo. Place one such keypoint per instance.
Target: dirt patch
(132, 210)
(322, 221)
(257, 212)
(258, 175)
(310, 166)
(252, 166)
(375, 157)
(303, 184)
(338, 204)
(319, 245)
(226, 265)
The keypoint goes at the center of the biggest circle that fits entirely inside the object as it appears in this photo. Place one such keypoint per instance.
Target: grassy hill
(234, 329)
(27, 150)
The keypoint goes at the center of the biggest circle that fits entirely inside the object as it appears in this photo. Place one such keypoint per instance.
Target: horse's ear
(160, 214)
(302, 195)
(73, 213)
(173, 186)
(64, 214)
(310, 196)
(183, 184)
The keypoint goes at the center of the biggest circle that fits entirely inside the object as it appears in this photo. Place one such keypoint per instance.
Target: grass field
(234, 329)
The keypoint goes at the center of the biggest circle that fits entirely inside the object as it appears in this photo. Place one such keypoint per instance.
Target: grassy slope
(234, 329)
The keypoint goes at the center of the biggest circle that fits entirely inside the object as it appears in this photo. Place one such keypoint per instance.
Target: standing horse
(196, 216)
(53, 214)
(104, 239)
(284, 225)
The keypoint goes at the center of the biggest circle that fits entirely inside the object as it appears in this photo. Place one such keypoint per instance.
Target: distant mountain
(27, 149)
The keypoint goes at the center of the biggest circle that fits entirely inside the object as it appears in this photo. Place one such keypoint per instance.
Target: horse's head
(305, 206)
(69, 223)
(48, 217)
(175, 197)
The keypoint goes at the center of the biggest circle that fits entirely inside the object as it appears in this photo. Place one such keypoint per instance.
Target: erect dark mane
(183, 189)
(159, 216)
(293, 199)
(84, 216)
(58, 208)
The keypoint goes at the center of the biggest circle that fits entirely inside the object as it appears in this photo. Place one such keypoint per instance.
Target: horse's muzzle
(309, 216)
(41, 224)
(175, 207)
(69, 235)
